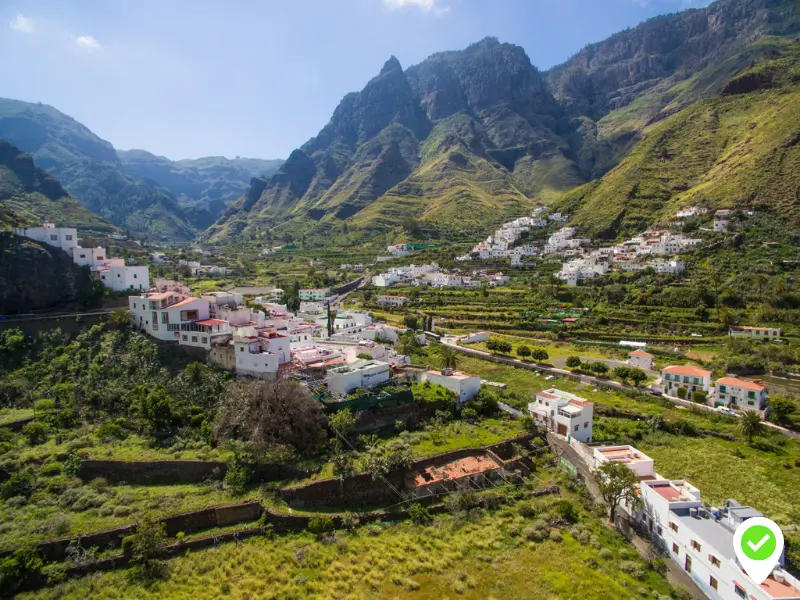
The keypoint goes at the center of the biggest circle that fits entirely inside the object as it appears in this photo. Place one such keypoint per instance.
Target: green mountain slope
(91, 172)
(740, 148)
(28, 196)
(205, 186)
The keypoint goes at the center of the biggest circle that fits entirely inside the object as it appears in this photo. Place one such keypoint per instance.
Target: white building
(690, 212)
(123, 278)
(641, 360)
(385, 280)
(636, 461)
(161, 314)
(474, 338)
(361, 374)
(315, 294)
(65, 238)
(564, 413)
(393, 300)
(740, 394)
(693, 379)
(755, 333)
(380, 331)
(261, 353)
(464, 386)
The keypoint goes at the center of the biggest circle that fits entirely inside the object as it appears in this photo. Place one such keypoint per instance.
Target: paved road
(590, 380)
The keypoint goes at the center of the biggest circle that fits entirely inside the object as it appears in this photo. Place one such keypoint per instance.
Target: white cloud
(88, 42)
(22, 24)
(426, 6)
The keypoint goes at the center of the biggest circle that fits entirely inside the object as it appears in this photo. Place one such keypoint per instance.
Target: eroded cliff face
(34, 276)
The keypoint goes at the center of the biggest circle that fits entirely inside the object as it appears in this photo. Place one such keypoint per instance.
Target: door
(561, 429)
(688, 564)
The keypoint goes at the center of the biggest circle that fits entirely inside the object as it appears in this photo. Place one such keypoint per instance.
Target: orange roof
(640, 353)
(547, 395)
(183, 302)
(735, 382)
(779, 590)
(686, 370)
(210, 322)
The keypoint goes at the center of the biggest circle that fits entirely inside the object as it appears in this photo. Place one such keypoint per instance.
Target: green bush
(682, 391)
(574, 362)
(23, 564)
(21, 483)
(555, 536)
(237, 477)
(699, 397)
(564, 509)
(523, 351)
(142, 548)
(633, 569)
(35, 433)
(419, 514)
(320, 525)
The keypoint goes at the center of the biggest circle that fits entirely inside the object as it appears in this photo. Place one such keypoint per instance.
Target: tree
(617, 483)
(504, 347)
(598, 367)
(408, 344)
(448, 357)
(23, 564)
(35, 433)
(783, 408)
(637, 376)
(523, 351)
(411, 321)
(574, 362)
(540, 354)
(341, 423)
(142, 547)
(622, 373)
(270, 412)
(492, 345)
(750, 425)
(419, 514)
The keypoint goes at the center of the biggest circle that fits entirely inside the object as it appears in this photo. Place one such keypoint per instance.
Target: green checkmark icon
(758, 543)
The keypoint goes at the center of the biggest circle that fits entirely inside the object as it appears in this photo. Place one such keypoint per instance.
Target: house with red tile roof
(740, 394)
(640, 359)
(693, 379)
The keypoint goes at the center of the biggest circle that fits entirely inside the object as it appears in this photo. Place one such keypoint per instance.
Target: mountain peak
(391, 65)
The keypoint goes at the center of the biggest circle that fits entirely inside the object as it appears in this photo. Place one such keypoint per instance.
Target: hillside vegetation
(738, 149)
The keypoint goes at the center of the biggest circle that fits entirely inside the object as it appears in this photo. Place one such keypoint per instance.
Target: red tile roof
(640, 353)
(183, 302)
(736, 382)
(210, 322)
(686, 370)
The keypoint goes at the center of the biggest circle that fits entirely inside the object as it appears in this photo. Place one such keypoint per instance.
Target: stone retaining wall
(176, 471)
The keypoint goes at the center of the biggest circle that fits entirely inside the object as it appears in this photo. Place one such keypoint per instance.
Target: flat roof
(709, 530)
(210, 322)
(623, 454)
(779, 590)
(454, 374)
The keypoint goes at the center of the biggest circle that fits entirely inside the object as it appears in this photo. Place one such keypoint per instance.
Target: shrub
(237, 477)
(555, 536)
(142, 547)
(21, 565)
(564, 509)
(35, 433)
(122, 511)
(633, 569)
(699, 397)
(606, 554)
(44, 405)
(523, 351)
(110, 430)
(319, 526)
(682, 391)
(469, 414)
(574, 362)
(21, 483)
(540, 354)
(50, 469)
(419, 514)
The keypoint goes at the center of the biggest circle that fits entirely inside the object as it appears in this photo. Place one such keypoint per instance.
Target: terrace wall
(176, 471)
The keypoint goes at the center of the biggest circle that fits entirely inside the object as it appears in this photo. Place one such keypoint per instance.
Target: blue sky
(195, 78)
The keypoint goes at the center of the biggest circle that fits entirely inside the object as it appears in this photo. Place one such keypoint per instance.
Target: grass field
(486, 555)
(10, 415)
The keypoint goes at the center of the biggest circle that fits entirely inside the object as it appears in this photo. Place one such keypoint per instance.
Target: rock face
(466, 138)
(35, 276)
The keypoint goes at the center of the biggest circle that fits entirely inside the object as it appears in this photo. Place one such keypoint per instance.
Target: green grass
(10, 415)
(457, 435)
(484, 557)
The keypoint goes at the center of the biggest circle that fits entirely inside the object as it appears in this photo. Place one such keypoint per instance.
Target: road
(591, 380)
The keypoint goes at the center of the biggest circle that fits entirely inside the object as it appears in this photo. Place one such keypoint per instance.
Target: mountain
(203, 187)
(739, 148)
(89, 169)
(463, 139)
(29, 195)
(450, 146)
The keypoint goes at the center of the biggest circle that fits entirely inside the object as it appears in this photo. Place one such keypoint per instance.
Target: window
(241, 348)
(660, 530)
(185, 338)
(134, 305)
(751, 395)
(739, 590)
(68, 238)
(205, 340)
(675, 548)
(685, 379)
(695, 545)
(750, 403)
(53, 238)
(714, 560)
(577, 427)
(118, 275)
(673, 526)
(696, 381)
(135, 276)
(83, 256)
(194, 338)
(713, 583)
(103, 277)
(586, 425)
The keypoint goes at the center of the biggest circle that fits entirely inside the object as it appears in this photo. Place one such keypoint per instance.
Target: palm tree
(750, 425)
(448, 357)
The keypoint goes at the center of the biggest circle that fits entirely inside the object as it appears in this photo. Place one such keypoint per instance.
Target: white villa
(564, 413)
(740, 394)
(641, 359)
(393, 300)
(464, 385)
(693, 379)
(361, 374)
(755, 333)
(315, 294)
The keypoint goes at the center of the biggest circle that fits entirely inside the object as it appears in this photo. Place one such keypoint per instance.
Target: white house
(464, 385)
(380, 331)
(122, 278)
(361, 374)
(756, 333)
(385, 280)
(564, 413)
(740, 394)
(693, 379)
(65, 238)
(393, 300)
(205, 333)
(635, 460)
(314, 294)
(700, 540)
(641, 360)
(161, 314)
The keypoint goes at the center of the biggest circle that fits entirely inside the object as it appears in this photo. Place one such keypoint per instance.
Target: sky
(258, 78)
